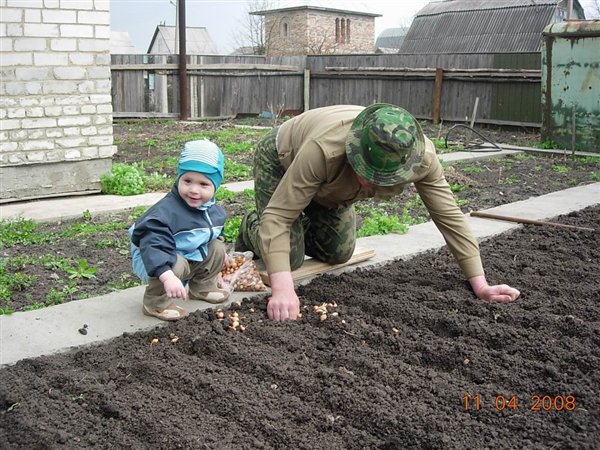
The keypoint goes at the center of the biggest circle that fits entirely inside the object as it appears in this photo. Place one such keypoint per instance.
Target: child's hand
(174, 288)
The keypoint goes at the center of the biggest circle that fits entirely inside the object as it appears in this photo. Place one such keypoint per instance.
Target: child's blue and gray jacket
(170, 227)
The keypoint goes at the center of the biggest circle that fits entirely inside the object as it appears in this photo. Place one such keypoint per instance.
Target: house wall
(314, 32)
(159, 46)
(56, 134)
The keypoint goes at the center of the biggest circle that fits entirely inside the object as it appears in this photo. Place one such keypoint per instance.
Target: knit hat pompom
(204, 157)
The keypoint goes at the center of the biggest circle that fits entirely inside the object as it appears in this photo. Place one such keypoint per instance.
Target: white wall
(56, 133)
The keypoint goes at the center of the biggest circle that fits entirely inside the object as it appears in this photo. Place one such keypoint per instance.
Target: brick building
(306, 30)
(56, 134)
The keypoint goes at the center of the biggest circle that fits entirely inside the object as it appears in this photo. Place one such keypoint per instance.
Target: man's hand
(174, 288)
(283, 303)
(499, 293)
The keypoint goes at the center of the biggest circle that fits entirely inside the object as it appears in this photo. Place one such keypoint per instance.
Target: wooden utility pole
(183, 82)
(437, 95)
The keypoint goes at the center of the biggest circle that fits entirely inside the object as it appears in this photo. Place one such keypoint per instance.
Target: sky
(224, 18)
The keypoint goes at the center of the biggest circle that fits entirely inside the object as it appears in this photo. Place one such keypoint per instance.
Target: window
(342, 31)
(284, 29)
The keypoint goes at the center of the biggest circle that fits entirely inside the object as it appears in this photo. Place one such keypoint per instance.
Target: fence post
(437, 95)
(306, 89)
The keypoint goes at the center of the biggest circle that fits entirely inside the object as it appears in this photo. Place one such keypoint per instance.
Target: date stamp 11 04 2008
(514, 403)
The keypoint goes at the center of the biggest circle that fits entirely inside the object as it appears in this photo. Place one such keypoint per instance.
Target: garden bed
(393, 369)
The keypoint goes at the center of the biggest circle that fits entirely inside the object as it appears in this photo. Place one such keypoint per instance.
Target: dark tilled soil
(391, 370)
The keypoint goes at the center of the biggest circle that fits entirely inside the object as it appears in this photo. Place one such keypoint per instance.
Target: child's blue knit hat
(204, 157)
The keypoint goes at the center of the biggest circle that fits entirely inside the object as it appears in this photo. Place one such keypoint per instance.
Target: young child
(177, 240)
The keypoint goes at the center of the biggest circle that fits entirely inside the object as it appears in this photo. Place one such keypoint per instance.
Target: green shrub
(123, 179)
(231, 229)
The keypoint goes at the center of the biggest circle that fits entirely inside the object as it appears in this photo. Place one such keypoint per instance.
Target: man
(310, 171)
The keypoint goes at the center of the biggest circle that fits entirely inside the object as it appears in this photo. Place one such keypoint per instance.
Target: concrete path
(73, 207)
(55, 329)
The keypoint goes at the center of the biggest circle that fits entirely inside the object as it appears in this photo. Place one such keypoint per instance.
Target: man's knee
(335, 253)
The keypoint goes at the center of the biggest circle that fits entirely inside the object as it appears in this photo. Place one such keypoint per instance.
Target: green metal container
(571, 85)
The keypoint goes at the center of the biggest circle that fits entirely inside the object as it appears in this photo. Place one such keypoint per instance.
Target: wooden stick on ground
(313, 267)
(485, 215)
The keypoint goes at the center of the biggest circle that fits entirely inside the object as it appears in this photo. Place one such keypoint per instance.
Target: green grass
(235, 170)
(440, 146)
(12, 281)
(226, 194)
(378, 222)
(559, 168)
(548, 144)
(22, 232)
(456, 187)
(522, 157)
(510, 180)
(126, 281)
(81, 270)
(231, 140)
(589, 159)
(80, 230)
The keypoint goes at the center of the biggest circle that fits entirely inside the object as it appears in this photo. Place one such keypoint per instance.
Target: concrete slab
(476, 154)
(55, 329)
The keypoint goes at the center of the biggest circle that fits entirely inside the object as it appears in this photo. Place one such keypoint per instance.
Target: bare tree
(322, 45)
(252, 28)
(593, 9)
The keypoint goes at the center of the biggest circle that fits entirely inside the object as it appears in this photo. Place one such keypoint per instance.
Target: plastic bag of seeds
(242, 274)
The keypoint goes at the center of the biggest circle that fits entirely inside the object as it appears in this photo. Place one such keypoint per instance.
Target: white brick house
(56, 135)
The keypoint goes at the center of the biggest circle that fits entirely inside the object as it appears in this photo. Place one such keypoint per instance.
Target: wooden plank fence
(505, 88)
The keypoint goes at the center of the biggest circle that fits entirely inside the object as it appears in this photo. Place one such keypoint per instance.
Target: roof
(314, 8)
(390, 39)
(121, 43)
(445, 6)
(197, 41)
(481, 26)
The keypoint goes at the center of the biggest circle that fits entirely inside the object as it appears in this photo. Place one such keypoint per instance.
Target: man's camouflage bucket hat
(385, 145)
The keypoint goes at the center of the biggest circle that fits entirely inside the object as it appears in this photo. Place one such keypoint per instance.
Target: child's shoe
(170, 313)
(215, 297)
